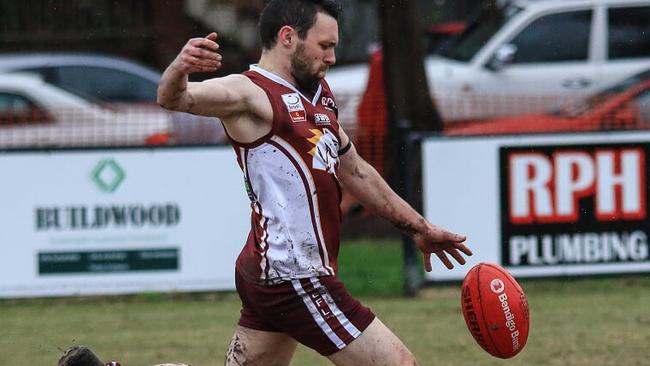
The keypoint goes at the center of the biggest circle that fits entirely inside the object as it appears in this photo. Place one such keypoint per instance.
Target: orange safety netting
(370, 136)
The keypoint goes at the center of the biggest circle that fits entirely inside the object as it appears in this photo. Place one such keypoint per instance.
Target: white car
(526, 57)
(121, 82)
(35, 114)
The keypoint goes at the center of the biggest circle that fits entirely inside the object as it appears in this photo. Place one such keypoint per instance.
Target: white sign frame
(461, 191)
(204, 184)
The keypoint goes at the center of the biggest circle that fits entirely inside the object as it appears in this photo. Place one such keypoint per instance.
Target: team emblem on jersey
(321, 119)
(325, 151)
(294, 106)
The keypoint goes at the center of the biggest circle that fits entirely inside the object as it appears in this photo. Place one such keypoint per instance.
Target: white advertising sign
(547, 205)
(76, 222)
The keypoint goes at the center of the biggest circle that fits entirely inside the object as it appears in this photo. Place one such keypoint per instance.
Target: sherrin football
(495, 309)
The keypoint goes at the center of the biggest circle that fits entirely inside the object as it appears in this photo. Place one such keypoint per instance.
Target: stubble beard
(301, 71)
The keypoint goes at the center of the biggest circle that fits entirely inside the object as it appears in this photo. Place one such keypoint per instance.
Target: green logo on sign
(108, 175)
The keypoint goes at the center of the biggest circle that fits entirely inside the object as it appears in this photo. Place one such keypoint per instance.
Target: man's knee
(236, 354)
(407, 358)
(244, 351)
(377, 345)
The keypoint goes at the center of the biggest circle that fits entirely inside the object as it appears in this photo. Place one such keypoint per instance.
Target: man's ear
(286, 36)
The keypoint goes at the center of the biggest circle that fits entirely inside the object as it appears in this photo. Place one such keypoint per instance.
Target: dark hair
(298, 14)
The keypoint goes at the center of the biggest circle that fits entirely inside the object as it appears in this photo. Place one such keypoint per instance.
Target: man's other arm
(362, 181)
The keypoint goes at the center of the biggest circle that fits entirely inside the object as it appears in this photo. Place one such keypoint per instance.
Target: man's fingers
(457, 256)
(456, 238)
(204, 43)
(442, 243)
(199, 55)
(445, 260)
(208, 68)
(203, 53)
(194, 64)
(427, 262)
(212, 36)
(464, 248)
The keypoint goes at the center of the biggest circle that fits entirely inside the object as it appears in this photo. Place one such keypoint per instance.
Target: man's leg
(376, 346)
(259, 348)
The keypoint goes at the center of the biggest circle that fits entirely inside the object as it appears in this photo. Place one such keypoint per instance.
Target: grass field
(595, 322)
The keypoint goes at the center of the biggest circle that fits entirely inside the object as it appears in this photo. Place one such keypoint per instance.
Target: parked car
(526, 57)
(35, 114)
(111, 80)
(625, 105)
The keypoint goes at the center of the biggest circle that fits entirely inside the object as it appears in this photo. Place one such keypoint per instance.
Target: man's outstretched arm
(217, 97)
(362, 181)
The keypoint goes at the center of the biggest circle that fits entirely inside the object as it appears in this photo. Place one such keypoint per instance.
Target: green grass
(372, 267)
(602, 322)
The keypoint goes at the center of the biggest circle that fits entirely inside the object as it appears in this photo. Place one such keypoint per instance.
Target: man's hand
(199, 55)
(434, 239)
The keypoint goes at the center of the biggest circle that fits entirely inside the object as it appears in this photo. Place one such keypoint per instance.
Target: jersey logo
(328, 102)
(294, 107)
(325, 151)
(321, 119)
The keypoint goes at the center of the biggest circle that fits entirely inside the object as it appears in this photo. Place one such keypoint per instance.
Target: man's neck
(272, 62)
(276, 64)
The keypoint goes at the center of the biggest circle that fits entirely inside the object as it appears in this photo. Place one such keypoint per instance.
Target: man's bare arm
(362, 181)
(217, 97)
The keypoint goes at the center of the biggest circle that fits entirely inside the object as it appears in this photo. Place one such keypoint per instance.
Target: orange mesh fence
(621, 111)
(370, 134)
(464, 106)
(493, 114)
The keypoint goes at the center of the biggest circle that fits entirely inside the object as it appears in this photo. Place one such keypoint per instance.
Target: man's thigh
(377, 346)
(317, 312)
(255, 347)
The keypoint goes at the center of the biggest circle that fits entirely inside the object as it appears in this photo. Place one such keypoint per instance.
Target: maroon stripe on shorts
(320, 302)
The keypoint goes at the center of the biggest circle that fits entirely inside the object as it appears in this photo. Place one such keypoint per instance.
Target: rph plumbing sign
(574, 204)
(547, 205)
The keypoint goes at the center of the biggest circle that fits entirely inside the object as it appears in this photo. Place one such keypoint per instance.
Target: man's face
(315, 54)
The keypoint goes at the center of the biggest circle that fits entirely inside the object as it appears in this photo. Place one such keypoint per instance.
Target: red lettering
(549, 190)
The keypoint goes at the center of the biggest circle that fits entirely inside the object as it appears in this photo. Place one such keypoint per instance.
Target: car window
(479, 32)
(106, 84)
(50, 76)
(17, 109)
(629, 32)
(554, 38)
(14, 103)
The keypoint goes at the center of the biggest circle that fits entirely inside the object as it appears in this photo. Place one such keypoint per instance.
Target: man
(282, 121)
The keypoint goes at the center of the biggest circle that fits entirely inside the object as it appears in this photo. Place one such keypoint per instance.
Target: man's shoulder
(239, 83)
(232, 79)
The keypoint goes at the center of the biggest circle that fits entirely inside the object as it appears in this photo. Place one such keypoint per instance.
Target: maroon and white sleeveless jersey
(290, 178)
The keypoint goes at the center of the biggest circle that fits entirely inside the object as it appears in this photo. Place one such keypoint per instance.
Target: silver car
(35, 114)
(118, 82)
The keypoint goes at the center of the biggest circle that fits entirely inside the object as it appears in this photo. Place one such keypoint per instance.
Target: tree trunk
(409, 108)
(409, 103)
(407, 91)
